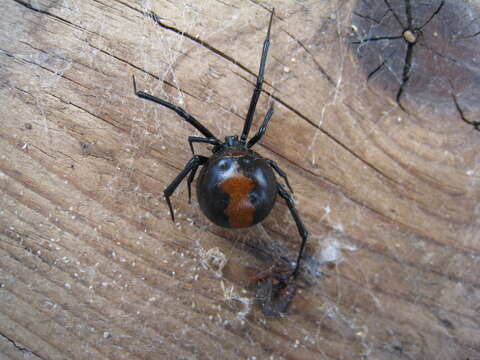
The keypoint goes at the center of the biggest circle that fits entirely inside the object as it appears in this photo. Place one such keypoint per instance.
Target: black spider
(236, 187)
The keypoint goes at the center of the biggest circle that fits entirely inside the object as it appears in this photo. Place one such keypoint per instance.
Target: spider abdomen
(236, 188)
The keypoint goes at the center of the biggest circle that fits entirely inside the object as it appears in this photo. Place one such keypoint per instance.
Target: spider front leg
(189, 118)
(301, 228)
(262, 129)
(192, 165)
(258, 86)
(280, 172)
(194, 139)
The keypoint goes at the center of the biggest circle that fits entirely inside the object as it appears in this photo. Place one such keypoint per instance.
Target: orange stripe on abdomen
(239, 210)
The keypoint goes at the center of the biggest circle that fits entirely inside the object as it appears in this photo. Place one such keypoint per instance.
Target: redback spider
(237, 187)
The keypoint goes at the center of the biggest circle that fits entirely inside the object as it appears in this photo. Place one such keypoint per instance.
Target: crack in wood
(435, 13)
(317, 64)
(362, 41)
(86, 111)
(391, 10)
(22, 349)
(475, 124)
(44, 12)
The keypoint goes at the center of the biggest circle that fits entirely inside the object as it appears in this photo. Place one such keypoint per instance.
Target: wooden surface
(91, 266)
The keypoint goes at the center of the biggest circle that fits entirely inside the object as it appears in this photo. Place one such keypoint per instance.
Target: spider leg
(193, 139)
(189, 183)
(301, 228)
(192, 165)
(189, 118)
(258, 87)
(262, 129)
(280, 172)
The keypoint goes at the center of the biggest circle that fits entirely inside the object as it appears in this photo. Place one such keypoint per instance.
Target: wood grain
(91, 266)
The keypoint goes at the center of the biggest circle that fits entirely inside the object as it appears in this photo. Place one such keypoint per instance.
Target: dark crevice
(11, 86)
(319, 67)
(338, 186)
(408, 14)
(262, 6)
(475, 124)
(433, 15)
(125, 62)
(227, 5)
(24, 91)
(65, 77)
(366, 17)
(67, 156)
(29, 6)
(377, 69)
(85, 110)
(43, 67)
(63, 58)
(369, 18)
(408, 57)
(394, 14)
(446, 57)
(4, 52)
(446, 323)
(158, 21)
(103, 4)
(335, 140)
(20, 244)
(42, 151)
(392, 37)
(22, 349)
(468, 36)
(406, 74)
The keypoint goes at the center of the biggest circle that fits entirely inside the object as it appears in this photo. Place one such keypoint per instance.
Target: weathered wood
(91, 265)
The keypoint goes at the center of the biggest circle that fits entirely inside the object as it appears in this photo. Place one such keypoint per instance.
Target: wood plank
(91, 265)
